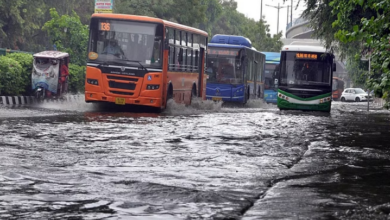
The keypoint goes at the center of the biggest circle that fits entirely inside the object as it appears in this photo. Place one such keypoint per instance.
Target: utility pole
(292, 3)
(288, 10)
(261, 10)
(277, 7)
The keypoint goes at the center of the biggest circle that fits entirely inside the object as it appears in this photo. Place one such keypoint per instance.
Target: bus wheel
(169, 97)
(193, 94)
(246, 98)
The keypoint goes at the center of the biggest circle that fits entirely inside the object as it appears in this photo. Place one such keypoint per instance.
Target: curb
(30, 100)
(17, 100)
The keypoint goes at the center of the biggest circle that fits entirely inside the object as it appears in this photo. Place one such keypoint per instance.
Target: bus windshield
(335, 85)
(224, 66)
(301, 68)
(270, 75)
(118, 42)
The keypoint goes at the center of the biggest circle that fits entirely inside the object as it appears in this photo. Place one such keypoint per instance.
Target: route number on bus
(105, 26)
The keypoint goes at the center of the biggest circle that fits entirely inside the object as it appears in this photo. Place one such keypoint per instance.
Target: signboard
(309, 56)
(104, 6)
(225, 52)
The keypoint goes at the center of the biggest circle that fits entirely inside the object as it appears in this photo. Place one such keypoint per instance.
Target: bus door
(201, 85)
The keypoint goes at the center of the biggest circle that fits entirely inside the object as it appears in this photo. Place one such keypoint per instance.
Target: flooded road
(72, 161)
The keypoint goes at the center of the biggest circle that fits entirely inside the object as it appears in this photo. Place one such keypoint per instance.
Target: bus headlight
(93, 82)
(152, 87)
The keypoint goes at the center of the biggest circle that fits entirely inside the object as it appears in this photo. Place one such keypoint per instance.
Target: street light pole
(288, 10)
(261, 10)
(368, 93)
(292, 3)
(277, 7)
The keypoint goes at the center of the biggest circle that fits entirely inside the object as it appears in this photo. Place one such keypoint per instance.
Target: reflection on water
(204, 161)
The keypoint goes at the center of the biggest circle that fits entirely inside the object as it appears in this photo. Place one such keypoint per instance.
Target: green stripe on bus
(305, 99)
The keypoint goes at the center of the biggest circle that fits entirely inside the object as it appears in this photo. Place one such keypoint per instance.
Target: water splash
(70, 103)
(259, 103)
(198, 106)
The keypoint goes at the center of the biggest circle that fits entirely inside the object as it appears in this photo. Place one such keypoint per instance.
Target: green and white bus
(305, 78)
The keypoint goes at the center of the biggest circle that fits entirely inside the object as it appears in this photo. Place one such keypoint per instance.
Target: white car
(354, 94)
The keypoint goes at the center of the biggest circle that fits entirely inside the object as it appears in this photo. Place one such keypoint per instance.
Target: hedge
(26, 61)
(11, 81)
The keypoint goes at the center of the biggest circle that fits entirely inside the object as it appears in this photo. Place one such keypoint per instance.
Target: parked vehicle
(354, 94)
(50, 74)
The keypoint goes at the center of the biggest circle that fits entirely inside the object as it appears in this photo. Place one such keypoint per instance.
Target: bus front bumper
(91, 97)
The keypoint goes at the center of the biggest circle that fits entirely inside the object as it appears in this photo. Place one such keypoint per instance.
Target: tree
(171, 10)
(232, 22)
(69, 35)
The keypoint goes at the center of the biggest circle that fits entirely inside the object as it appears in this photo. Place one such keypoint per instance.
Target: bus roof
(227, 46)
(302, 48)
(231, 40)
(272, 56)
(149, 19)
(232, 46)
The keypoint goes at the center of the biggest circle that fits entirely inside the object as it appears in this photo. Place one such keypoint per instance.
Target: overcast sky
(251, 8)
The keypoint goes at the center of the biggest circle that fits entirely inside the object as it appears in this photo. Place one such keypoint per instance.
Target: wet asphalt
(75, 161)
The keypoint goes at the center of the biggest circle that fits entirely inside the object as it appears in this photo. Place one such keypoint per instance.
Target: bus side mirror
(276, 83)
(334, 67)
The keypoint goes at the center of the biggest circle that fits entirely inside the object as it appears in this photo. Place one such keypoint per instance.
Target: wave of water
(197, 106)
(71, 103)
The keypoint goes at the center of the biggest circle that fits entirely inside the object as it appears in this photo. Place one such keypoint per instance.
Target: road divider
(31, 100)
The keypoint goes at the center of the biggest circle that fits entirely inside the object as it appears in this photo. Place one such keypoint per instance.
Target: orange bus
(337, 88)
(146, 61)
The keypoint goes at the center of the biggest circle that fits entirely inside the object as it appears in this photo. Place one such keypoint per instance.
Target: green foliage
(76, 78)
(26, 61)
(172, 10)
(232, 22)
(69, 35)
(11, 82)
(21, 21)
(373, 30)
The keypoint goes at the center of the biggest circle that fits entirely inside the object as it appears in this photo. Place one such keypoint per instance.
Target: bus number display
(223, 52)
(309, 56)
(104, 26)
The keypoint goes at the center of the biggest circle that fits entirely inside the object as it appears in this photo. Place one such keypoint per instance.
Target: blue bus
(272, 60)
(235, 70)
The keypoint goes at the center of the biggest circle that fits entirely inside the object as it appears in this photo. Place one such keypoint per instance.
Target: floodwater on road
(73, 161)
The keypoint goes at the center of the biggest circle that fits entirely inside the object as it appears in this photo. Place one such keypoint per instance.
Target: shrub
(26, 61)
(11, 82)
(76, 78)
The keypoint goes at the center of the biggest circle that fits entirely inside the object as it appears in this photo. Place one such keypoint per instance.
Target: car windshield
(224, 66)
(116, 41)
(359, 91)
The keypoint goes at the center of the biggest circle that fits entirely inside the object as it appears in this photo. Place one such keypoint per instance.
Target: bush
(26, 61)
(76, 78)
(11, 81)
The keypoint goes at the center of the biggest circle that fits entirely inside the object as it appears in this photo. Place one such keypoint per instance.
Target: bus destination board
(309, 56)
